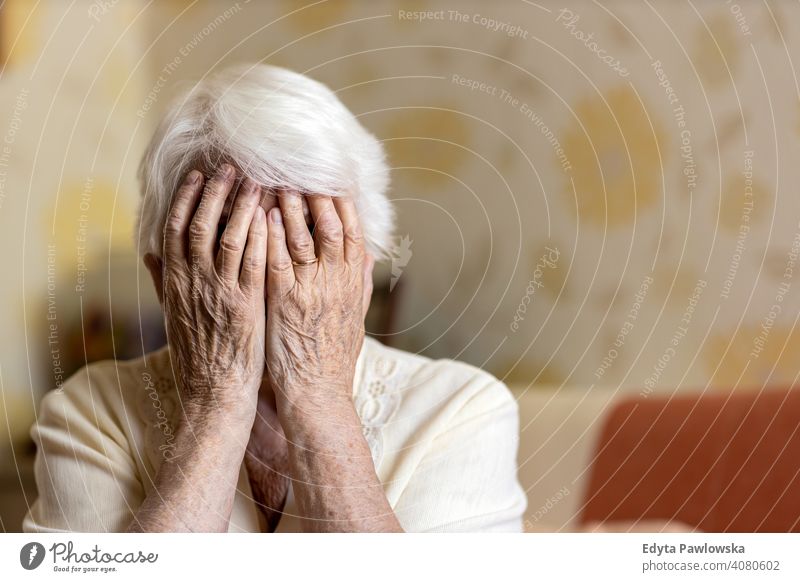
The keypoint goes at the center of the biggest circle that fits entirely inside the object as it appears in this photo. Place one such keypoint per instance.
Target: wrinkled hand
(214, 299)
(315, 309)
(317, 292)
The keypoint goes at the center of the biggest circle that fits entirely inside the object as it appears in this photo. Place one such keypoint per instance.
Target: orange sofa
(721, 462)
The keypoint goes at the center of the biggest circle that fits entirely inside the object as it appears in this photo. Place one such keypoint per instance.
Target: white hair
(281, 129)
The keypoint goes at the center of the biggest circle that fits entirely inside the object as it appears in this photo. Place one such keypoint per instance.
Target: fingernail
(193, 177)
(227, 171)
(275, 216)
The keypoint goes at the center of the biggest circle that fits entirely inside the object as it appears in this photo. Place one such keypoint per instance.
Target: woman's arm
(333, 475)
(195, 489)
(214, 310)
(315, 330)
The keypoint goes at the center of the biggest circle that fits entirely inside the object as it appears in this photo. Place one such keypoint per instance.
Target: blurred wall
(587, 195)
(69, 89)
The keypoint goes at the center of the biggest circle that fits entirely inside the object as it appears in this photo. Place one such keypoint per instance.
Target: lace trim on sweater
(376, 401)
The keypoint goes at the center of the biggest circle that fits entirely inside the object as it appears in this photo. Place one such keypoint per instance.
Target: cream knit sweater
(443, 436)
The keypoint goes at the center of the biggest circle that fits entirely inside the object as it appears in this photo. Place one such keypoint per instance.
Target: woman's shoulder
(419, 377)
(108, 382)
(98, 385)
(128, 400)
(407, 402)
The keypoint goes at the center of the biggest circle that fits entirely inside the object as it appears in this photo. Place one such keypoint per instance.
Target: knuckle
(331, 237)
(327, 223)
(280, 267)
(253, 261)
(198, 229)
(292, 209)
(355, 235)
(216, 187)
(301, 243)
(230, 244)
(173, 226)
(250, 265)
(330, 228)
(185, 191)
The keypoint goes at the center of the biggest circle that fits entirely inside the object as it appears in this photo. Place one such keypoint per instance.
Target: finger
(203, 230)
(327, 228)
(254, 262)
(273, 201)
(180, 216)
(351, 227)
(233, 240)
(369, 263)
(280, 272)
(269, 199)
(298, 237)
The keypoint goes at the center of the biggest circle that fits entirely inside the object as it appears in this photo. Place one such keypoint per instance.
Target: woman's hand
(214, 297)
(214, 309)
(315, 301)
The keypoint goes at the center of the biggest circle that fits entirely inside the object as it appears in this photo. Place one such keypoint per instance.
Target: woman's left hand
(318, 289)
(316, 299)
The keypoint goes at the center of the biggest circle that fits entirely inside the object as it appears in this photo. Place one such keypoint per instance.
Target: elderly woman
(263, 210)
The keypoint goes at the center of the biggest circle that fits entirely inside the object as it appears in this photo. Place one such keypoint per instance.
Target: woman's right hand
(214, 296)
(214, 309)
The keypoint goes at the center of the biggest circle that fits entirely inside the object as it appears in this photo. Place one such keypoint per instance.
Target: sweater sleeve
(467, 482)
(85, 474)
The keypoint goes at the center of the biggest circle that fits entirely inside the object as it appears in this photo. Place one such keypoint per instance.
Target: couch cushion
(721, 462)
